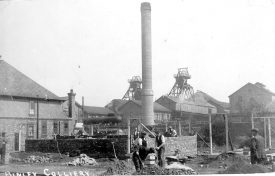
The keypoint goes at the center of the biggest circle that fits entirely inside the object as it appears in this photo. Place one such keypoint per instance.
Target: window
(30, 130)
(55, 127)
(43, 128)
(32, 108)
(66, 128)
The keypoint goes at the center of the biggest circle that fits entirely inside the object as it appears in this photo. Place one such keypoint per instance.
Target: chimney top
(72, 92)
(145, 6)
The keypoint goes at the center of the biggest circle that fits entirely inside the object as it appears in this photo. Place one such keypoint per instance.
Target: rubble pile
(223, 160)
(230, 156)
(38, 159)
(155, 170)
(120, 168)
(83, 160)
(244, 167)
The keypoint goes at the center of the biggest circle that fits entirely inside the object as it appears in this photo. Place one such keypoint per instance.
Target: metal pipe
(147, 92)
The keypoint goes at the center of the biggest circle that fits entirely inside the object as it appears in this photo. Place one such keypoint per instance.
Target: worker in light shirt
(140, 151)
(160, 147)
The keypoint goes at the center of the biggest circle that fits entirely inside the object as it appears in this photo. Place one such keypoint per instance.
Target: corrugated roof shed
(15, 83)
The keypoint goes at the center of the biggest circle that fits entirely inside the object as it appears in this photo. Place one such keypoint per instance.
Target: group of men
(141, 150)
(256, 144)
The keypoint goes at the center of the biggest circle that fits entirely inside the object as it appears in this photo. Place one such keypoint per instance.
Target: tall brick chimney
(147, 92)
(71, 103)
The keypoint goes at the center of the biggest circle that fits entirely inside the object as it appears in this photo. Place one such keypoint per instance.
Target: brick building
(250, 97)
(22, 101)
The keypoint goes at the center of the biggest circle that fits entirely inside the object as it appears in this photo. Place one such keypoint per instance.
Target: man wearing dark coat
(257, 152)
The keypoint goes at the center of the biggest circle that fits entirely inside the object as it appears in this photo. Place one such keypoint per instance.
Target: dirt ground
(202, 164)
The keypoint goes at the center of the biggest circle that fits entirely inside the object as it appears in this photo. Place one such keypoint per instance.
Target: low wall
(186, 144)
(96, 148)
(102, 148)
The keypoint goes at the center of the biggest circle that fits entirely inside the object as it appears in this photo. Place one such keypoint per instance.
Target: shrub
(218, 133)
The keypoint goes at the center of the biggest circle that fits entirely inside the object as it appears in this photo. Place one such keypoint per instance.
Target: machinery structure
(181, 88)
(134, 90)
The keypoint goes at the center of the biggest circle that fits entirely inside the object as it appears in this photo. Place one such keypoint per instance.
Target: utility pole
(226, 134)
(210, 131)
(82, 108)
(37, 118)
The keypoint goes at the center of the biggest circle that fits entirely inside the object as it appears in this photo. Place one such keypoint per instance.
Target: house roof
(256, 85)
(157, 107)
(97, 110)
(15, 83)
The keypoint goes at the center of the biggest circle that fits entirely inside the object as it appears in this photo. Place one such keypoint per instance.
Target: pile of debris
(83, 160)
(155, 170)
(244, 167)
(38, 159)
(223, 160)
(230, 156)
(120, 168)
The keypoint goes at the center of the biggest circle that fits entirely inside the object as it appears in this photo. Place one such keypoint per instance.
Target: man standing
(143, 150)
(136, 134)
(136, 155)
(160, 147)
(257, 153)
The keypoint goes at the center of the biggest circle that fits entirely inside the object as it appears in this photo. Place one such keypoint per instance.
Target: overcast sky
(94, 46)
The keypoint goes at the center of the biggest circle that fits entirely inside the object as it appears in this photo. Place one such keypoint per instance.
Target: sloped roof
(97, 110)
(157, 107)
(256, 85)
(115, 104)
(210, 98)
(197, 101)
(15, 83)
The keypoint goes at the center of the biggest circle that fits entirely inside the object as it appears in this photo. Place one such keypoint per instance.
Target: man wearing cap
(171, 132)
(257, 153)
(160, 147)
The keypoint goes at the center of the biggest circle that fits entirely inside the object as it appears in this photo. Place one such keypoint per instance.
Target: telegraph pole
(37, 118)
